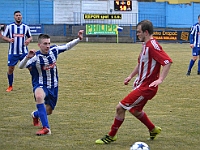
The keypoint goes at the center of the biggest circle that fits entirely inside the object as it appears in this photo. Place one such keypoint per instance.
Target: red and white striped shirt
(150, 60)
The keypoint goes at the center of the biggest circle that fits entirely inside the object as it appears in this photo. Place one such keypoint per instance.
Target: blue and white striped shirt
(195, 35)
(19, 33)
(43, 67)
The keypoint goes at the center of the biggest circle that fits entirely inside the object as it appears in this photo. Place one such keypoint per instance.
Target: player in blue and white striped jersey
(195, 45)
(19, 36)
(43, 69)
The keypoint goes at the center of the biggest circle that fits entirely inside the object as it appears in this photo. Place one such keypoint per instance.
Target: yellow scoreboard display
(122, 5)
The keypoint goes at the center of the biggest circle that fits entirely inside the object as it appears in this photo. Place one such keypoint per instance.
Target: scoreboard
(122, 5)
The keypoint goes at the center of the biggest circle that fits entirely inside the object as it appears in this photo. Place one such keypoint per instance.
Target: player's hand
(31, 53)
(126, 81)
(11, 40)
(26, 42)
(192, 45)
(80, 34)
(155, 83)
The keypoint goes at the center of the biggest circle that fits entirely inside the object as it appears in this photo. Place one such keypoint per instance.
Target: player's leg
(192, 61)
(36, 117)
(142, 116)
(51, 100)
(40, 95)
(10, 77)
(50, 103)
(126, 104)
(153, 130)
(12, 61)
(49, 109)
(118, 120)
(137, 110)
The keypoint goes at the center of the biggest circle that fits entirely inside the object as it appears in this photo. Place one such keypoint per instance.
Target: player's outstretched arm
(72, 43)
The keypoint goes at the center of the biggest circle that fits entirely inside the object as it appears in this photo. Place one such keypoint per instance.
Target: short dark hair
(43, 36)
(17, 11)
(146, 25)
(199, 16)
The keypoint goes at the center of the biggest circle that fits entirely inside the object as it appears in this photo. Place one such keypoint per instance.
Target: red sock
(145, 120)
(114, 128)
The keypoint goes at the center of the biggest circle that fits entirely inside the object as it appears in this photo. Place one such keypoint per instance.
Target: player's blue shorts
(196, 51)
(51, 96)
(13, 59)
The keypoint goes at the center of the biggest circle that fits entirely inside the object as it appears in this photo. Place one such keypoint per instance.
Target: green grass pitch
(90, 86)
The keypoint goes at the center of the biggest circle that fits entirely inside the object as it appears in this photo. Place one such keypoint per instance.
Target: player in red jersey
(145, 86)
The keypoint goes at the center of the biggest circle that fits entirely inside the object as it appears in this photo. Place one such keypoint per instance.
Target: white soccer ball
(139, 146)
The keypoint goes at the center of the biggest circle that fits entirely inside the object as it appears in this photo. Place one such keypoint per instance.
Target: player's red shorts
(138, 98)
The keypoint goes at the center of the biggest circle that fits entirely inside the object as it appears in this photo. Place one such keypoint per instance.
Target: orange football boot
(9, 89)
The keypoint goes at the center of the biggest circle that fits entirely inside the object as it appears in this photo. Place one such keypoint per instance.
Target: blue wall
(156, 12)
(33, 11)
(164, 15)
(179, 15)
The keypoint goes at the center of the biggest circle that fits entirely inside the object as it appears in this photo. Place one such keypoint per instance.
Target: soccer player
(145, 86)
(43, 69)
(19, 36)
(195, 45)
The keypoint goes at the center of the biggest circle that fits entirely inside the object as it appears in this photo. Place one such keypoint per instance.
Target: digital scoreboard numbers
(122, 5)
